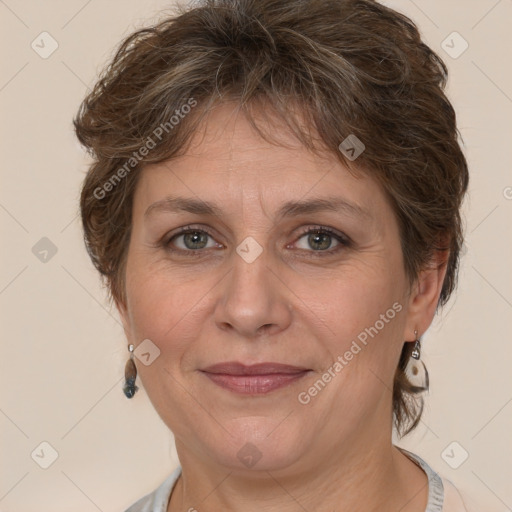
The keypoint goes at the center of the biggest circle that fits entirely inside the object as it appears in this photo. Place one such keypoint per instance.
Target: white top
(442, 494)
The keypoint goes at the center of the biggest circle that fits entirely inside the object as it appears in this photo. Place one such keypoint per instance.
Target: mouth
(254, 379)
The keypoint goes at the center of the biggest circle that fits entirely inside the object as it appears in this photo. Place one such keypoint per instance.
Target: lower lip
(254, 384)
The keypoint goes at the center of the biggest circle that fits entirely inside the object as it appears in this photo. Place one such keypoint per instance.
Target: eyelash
(344, 241)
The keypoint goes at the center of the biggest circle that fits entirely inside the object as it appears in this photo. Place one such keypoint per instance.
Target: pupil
(195, 240)
(319, 241)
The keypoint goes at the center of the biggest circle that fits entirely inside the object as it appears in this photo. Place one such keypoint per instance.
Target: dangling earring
(416, 351)
(130, 374)
(416, 372)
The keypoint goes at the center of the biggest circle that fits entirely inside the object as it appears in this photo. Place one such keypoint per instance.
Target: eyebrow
(288, 209)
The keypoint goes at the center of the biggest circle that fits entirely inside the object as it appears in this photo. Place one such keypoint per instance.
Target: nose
(254, 300)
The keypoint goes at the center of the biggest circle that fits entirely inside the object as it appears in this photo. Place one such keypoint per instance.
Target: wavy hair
(349, 66)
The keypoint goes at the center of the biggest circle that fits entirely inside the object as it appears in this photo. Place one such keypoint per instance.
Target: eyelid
(343, 240)
(324, 229)
(166, 240)
(185, 229)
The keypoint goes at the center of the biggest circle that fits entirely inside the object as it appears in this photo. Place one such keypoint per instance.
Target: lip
(236, 368)
(254, 379)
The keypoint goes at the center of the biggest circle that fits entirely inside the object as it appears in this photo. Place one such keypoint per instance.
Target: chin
(260, 444)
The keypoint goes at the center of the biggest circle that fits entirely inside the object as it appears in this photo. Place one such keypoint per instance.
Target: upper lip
(236, 368)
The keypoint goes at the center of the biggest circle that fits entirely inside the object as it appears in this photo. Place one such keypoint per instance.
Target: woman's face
(249, 285)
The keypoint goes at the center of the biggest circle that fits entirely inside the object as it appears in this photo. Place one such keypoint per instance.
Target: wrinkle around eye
(337, 242)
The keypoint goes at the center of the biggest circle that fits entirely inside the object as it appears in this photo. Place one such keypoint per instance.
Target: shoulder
(465, 499)
(157, 500)
(443, 495)
(454, 500)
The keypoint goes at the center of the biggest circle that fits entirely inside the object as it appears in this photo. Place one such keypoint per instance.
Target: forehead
(227, 161)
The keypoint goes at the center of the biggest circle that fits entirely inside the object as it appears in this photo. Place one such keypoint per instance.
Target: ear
(424, 295)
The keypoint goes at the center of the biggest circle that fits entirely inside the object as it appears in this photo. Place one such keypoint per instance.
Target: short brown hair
(354, 67)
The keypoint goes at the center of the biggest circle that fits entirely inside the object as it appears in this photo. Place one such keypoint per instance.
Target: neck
(360, 477)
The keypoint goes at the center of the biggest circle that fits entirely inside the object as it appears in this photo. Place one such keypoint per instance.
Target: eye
(322, 240)
(318, 240)
(190, 240)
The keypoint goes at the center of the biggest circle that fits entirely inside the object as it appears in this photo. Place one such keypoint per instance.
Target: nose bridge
(250, 269)
(253, 296)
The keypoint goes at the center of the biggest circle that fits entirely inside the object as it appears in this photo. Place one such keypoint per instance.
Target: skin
(293, 304)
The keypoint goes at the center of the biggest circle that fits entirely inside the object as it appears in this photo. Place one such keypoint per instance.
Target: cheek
(166, 309)
(365, 324)
(356, 300)
(365, 311)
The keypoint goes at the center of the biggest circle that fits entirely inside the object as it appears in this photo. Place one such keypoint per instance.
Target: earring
(130, 374)
(416, 351)
(415, 370)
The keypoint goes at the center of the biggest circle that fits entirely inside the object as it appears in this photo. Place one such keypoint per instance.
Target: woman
(274, 203)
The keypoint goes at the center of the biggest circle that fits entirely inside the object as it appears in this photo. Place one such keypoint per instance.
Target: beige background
(63, 350)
